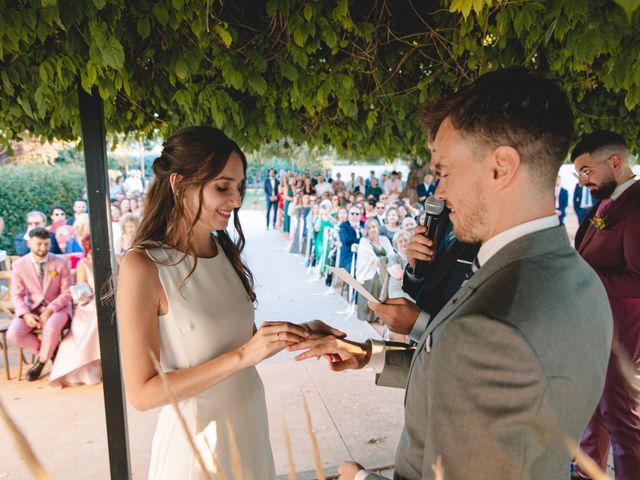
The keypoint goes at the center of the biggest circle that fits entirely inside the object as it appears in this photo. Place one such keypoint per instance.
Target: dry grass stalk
(214, 459)
(587, 464)
(236, 464)
(314, 441)
(438, 469)
(292, 466)
(24, 448)
(183, 423)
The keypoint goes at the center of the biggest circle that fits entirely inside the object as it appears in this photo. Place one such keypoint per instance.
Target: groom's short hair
(512, 107)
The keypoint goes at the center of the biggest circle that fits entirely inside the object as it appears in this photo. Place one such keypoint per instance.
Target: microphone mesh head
(434, 206)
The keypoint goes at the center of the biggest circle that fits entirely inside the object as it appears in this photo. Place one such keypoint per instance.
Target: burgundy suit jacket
(27, 294)
(614, 253)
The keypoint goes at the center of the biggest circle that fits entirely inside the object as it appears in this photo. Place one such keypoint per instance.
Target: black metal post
(95, 158)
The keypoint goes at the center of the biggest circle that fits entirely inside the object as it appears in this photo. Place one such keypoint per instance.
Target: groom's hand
(341, 354)
(321, 328)
(399, 314)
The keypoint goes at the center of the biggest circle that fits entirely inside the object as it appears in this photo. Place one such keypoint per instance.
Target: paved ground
(352, 418)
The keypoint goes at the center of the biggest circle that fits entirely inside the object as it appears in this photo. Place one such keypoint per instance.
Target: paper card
(352, 282)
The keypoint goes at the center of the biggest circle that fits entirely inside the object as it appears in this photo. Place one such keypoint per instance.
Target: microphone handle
(431, 222)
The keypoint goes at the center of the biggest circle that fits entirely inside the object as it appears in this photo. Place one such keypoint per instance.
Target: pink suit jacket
(614, 253)
(26, 292)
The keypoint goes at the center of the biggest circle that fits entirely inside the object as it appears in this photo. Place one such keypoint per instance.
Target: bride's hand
(269, 339)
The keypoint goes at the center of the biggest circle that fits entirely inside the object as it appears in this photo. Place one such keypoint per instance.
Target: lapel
(31, 271)
(537, 243)
(583, 240)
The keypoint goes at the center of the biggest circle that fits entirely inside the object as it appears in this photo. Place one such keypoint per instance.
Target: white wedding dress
(210, 315)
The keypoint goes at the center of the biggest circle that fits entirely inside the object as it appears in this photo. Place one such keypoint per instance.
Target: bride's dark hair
(197, 154)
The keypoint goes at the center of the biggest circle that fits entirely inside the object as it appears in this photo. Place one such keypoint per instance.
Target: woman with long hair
(372, 249)
(185, 296)
(129, 226)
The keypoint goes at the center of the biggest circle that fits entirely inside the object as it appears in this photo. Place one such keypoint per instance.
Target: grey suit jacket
(515, 360)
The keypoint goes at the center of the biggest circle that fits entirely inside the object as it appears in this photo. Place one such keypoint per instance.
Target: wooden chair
(6, 307)
(4, 326)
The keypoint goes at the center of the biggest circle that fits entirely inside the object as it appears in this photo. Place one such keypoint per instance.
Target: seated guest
(80, 230)
(63, 233)
(35, 219)
(372, 249)
(129, 227)
(115, 222)
(57, 214)
(393, 186)
(78, 358)
(79, 208)
(40, 295)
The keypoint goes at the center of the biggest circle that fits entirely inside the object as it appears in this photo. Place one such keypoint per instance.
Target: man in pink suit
(609, 240)
(40, 295)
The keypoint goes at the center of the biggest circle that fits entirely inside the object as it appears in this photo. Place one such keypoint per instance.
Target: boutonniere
(599, 222)
(53, 274)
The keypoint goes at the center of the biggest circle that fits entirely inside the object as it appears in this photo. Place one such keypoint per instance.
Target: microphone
(434, 208)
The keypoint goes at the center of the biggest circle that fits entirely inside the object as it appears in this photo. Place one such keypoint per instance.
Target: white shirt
(487, 250)
(620, 189)
(35, 262)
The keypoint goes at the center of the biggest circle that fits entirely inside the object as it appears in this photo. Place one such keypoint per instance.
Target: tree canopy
(351, 73)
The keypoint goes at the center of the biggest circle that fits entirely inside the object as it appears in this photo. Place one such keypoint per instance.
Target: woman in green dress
(323, 221)
(288, 197)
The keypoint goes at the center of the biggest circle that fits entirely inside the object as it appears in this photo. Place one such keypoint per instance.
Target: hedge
(28, 187)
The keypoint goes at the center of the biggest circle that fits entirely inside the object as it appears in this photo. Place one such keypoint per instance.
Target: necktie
(41, 272)
(602, 206)
(475, 266)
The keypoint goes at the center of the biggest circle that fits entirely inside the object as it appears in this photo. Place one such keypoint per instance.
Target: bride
(185, 294)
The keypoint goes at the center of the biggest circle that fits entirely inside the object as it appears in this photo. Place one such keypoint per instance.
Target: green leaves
(112, 52)
(338, 73)
(143, 26)
(629, 6)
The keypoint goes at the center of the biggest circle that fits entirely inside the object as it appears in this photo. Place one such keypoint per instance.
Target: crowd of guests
(361, 225)
(51, 287)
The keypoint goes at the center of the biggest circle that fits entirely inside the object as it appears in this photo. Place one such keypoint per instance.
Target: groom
(516, 361)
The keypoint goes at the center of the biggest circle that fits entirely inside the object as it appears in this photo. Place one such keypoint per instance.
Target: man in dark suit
(582, 202)
(516, 360)
(562, 200)
(349, 236)
(35, 219)
(271, 196)
(448, 264)
(425, 189)
(609, 240)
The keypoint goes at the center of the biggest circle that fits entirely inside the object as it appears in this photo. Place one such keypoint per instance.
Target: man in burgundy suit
(609, 240)
(40, 295)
